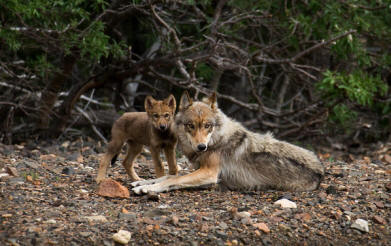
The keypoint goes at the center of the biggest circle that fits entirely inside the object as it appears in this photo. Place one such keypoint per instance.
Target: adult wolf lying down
(222, 150)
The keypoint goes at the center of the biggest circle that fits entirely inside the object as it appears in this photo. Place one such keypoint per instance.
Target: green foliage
(358, 86)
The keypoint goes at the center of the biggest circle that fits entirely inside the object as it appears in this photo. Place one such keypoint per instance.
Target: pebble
(285, 203)
(379, 220)
(361, 225)
(68, 171)
(262, 226)
(96, 218)
(122, 237)
(51, 221)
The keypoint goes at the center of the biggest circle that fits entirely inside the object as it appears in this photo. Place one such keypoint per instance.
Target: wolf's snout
(201, 147)
(163, 127)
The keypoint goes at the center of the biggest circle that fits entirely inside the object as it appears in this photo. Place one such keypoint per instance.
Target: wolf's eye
(167, 116)
(208, 125)
(155, 116)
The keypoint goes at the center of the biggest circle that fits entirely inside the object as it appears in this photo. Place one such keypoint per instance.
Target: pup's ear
(170, 102)
(212, 101)
(148, 103)
(185, 102)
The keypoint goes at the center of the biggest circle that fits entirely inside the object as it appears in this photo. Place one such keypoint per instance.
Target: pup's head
(197, 120)
(160, 113)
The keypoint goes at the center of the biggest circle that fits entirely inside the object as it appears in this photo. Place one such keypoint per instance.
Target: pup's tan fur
(153, 128)
(221, 149)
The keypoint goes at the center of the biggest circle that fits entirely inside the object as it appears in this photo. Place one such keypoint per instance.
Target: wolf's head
(196, 121)
(160, 113)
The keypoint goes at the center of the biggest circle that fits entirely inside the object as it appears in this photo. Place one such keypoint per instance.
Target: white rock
(122, 237)
(96, 218)
(4, 175)
(51, 221)
(285, 203)
(361, 225)
(83, 191)
(244, 214)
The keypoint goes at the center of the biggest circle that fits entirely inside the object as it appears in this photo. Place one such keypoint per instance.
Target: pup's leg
(113, 148)
(133, 151)
(207, 174)
(159, 169)
(169, 151)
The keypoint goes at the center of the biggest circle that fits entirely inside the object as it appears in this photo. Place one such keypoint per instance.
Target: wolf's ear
(212, 101)
(148, 103)
(186, 101)
(170, 102)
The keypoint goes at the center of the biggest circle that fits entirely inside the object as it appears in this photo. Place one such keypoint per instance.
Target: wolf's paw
(139, 190)
(138, 183)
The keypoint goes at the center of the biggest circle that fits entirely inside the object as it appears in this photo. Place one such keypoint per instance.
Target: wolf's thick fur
(223, 150)
(153, 128)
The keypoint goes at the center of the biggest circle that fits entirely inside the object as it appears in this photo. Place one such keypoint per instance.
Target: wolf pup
(221, 149)
(153, 128)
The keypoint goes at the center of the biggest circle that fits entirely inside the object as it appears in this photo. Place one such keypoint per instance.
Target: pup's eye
(191, 126)
(155, 116)
(167, 116)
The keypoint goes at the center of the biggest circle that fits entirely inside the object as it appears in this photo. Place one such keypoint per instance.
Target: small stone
(174, 220)
(285, 203)
(68, 171)
(262, 226)
(223, 225)
(387, 158)
(12, 171)
(85, 233)
(331, 190)
(96, 218)
(122, 237)
(127, 216)
(153, 196)
(49, 157)
(243, 214)
(361, 225)
(379, 204)
(303, 216)
(388, 187)
(51, 221)
(379, 220)
(112, 188)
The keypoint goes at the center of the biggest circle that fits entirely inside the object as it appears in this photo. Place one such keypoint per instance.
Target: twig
(100, 135)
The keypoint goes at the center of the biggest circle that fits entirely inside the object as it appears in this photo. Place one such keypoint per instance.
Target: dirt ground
(48, 196)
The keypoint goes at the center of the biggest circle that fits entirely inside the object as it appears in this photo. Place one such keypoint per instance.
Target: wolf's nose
(162, 127)
(201, 147)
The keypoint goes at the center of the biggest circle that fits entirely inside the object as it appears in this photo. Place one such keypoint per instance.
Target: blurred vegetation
(302, 69)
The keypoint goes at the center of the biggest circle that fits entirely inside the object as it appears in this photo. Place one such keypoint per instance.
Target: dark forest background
(303, 69)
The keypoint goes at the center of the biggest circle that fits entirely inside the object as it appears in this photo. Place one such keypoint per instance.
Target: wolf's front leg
(197, 178)
(150, 181)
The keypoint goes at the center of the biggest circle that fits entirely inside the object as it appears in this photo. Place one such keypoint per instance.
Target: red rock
(262, 226)
(387, 158)
(379, 204)
(111, 188)
(379, 220)
(303, 216)
(388, 187)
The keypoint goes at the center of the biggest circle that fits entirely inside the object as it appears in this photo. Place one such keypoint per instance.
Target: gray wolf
(224, 151)
(153, 128)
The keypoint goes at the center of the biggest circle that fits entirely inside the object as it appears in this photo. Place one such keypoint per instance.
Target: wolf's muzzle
(201, 147)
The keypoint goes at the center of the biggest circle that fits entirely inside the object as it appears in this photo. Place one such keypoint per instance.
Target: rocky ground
(48, 197)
